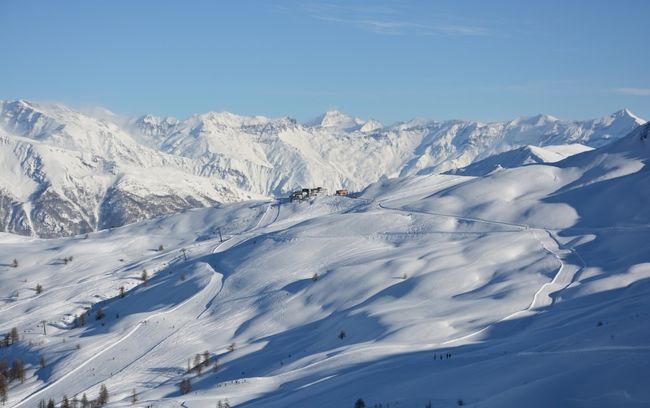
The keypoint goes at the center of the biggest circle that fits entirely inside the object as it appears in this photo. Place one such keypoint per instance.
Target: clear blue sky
(390, 60)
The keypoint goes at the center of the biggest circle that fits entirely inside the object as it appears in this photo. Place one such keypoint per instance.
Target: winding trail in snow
(270, 216)
(566, 274)
(267, 218)
(149, 336)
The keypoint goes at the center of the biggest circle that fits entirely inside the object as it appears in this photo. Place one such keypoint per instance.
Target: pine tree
(3, 389)
(13, 335)
(134, 397)
(84, 401)
(185, 386)
(206, 358)
(121, 291)
(197, 364)
(42, 404)
(359, 404)
(17, 370)
(102, 399)
(82, 319)
(38, 288)
(99, 313)
(144, 276)
(41, 361)
(15, 263)
(65, 403)
(50, 403)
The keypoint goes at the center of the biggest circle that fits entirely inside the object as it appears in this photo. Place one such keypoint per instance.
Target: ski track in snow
(543, 296)
(118, 342)
(270, 215)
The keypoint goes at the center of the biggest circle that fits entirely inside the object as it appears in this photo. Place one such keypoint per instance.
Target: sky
(388, 60)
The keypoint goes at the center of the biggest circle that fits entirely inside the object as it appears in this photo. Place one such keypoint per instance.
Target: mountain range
(66, 172)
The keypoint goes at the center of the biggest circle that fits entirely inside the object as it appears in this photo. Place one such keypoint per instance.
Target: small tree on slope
(102, 399)
(185, 386)
(3, 389)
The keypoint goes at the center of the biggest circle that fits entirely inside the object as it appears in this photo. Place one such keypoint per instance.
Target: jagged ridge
(66, 172)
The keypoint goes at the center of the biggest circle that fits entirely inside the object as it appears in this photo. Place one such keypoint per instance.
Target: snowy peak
(371, 125)
(537, 120)
(231, 120)
(154, 126)
(25, 119)
(626, 115)
(622, 117)
(337, 119)
(542, 119)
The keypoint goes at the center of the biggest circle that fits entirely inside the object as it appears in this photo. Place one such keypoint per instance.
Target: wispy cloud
(632, 91)
(541, 86)
(385, 20)
(456, 29)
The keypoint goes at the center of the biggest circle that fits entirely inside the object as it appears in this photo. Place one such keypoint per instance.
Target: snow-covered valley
(523, 286)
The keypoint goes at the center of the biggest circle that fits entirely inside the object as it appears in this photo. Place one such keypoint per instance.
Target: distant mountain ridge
(65, 172)
(519, 157)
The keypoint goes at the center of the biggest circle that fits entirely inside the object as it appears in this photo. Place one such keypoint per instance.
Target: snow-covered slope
(67, 172)
(520, 157)
(525, 287)
(64, 173)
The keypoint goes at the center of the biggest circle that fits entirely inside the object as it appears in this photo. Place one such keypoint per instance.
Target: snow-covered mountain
(273, 156)
(65, 172)
(524, 287)
(519, 157)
